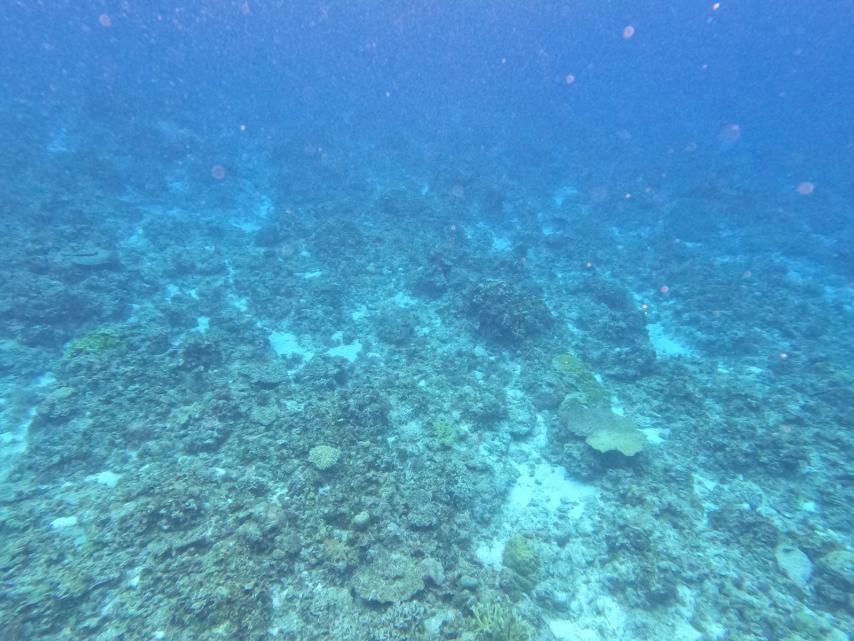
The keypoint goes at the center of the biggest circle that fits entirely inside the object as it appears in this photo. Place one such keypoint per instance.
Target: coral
(507, 313)
(588, 389)
(324, 456)
(96, 342)
(391, 578)
(602, 430)
(498, 622)
(835, 578)
(521, 566)
(618, 437)
(445, 432)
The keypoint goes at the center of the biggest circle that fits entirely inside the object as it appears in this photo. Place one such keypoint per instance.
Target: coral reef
(422, 389)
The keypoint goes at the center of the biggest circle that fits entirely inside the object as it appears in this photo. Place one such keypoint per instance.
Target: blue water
(386, 321)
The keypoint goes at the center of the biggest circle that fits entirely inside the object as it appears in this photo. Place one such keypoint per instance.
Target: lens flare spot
(730, 133)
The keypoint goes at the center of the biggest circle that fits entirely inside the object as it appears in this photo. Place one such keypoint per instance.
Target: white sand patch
(810, 506)
(402, 299)
(562, 194)
(203, 324)
(604, 620)
(654, 435)
(287, 345)
(361, 312)
(683, 631)
(542, 496)
(264, 207)
(490, 553)
(105, 478)
(245, 226)
(63, 522)
(13, 440)
(69, 527)
(14, 426)
(238, 302)
(348, 351)
(173, 290)
(544, 489)
(704, 488)
(567, 630)
(665, 345)
(500, 244)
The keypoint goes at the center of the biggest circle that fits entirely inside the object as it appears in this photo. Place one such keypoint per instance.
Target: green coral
(521, 566)
(498, 622)
(569, 364)
(602, 429)
(96, 343)
(617, 435)
(324, 456)
(445, 432)
(587, 388)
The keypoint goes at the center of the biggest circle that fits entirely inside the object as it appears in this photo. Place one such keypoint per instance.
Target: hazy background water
(771, 81)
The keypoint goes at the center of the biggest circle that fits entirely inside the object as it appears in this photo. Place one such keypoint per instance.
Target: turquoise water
(385, 321)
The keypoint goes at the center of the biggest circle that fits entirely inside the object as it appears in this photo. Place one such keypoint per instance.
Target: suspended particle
(805, 188)
(730, 134)
(105, 21)
(218, 172)
(628, 32)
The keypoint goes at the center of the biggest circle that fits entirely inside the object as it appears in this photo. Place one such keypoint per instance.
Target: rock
(468, 582)
(390, 578)
(433, 571)
(794, 564)
(361, 520)
(835, 577)
(85, 256)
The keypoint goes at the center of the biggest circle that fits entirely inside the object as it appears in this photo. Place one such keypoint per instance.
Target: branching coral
(498, 622)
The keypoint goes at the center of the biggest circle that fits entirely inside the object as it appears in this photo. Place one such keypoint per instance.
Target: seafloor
(263, 386)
